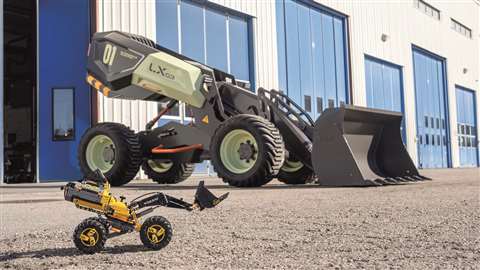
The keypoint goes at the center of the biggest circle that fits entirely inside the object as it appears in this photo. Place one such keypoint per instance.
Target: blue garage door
(467, 127)
(312, 46)
(64, 97)
(384, 86)
(432, 118)
(209, 34)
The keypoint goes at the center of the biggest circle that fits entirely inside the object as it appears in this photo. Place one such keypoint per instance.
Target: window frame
(461, 28)
(54, 137)
(228, 13)
(428, 9)
(281, 40)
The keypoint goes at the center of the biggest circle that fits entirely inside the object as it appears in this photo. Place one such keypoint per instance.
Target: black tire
(90, 236)
(150, 239)
(103, 221)
(127, 153)
(291, 176)
(269, 157)
(178, 172)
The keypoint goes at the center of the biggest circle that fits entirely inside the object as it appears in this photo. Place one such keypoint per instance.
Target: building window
(460, 28)
(427, 9)
(216, 36)
(313, 55)
(63, 114)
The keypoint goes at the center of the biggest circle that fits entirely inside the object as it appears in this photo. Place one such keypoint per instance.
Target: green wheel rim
(292, 166)
(160, 167)
(100, 153)
(230, 151)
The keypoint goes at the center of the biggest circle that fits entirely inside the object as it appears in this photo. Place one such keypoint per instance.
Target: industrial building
(421, 58)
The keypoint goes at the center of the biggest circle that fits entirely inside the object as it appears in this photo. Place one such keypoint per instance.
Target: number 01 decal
(109, 54)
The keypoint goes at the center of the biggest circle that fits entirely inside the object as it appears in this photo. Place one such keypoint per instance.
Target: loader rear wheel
(169, 172)
(90, 236)
(295, 173)
(156, 232)
(114, 149)
(247, 151)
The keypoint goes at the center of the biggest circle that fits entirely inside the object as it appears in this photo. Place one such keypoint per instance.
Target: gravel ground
(434, 224)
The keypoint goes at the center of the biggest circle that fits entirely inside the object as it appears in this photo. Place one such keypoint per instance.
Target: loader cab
(46, 103)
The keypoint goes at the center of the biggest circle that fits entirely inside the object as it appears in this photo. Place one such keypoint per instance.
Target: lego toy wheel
(170, 172)
(90, 236)
(156, 232)
(247, 151)
(114, 149)
(295, 173)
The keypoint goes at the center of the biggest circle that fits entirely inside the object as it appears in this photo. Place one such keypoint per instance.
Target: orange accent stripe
(106, 91)
(161, 150)
(90, 79)
(98, 85)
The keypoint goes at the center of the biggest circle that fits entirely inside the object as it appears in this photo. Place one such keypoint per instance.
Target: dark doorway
(20, 58)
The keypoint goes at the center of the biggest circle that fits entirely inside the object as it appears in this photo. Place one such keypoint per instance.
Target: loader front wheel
(156, 232)
(295, 173)
(247, 151)
(114, 149)
(167, 172)
(90, 236)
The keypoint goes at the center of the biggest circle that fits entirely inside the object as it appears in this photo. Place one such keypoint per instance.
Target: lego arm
(203, 199)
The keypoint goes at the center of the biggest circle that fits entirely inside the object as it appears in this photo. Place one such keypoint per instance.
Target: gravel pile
(416, 226)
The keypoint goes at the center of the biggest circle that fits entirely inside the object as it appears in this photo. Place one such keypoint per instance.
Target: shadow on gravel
(68, 252)
(267, 187)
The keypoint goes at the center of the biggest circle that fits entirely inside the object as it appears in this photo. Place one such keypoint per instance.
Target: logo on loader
(161, 71)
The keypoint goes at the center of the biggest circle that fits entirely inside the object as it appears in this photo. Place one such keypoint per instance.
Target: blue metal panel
(192, 31)
(314, 53)
(167, 28)
(64, 32)
(384, 86)
(432, 114)
(318, 64)
(467, 127)
(305, 54)
(239, 54)
(293, 51)
(340, 60)
(203, 33)
(216, 31)
(281, 40)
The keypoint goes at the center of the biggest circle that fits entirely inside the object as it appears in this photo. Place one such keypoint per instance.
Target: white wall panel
(134, 16)
(406, 25)
(265, 38)
(368, 20)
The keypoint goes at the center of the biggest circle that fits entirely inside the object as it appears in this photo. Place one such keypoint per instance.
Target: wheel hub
(155, 233)
(89, 237)
(109, 154)
(100, 153)
(239, 151)
(247, 151)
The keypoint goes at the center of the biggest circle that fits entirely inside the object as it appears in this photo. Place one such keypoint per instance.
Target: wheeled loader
(116, 217)
(249, 137)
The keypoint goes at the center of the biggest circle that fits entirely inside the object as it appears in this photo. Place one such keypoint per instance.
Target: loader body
(264, 135)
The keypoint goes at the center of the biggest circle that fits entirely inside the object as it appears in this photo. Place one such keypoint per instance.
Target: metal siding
(383, 85)
(366, 22)
(1, 97)
(466, 127)
(431, 104)
(61, 65)
(315, 56)
(405, 25)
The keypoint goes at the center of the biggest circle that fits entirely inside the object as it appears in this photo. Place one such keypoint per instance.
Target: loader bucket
(356, 146)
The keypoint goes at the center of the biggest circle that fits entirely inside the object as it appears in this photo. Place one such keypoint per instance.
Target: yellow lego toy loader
(117, 217)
